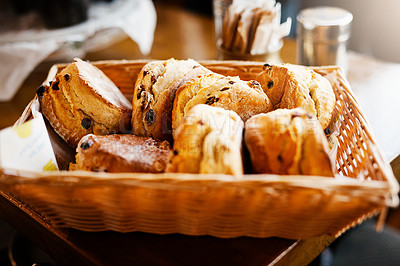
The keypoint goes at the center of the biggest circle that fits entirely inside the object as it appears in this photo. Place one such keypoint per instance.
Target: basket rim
(387, 187)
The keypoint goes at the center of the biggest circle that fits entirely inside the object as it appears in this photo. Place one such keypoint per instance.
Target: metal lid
(324, 24)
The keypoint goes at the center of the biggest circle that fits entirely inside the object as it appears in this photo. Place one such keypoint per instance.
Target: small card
(27, 147)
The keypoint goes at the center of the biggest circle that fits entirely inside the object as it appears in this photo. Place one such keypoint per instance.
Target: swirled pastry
(121, 153)
(287, 142)
(291, 86)
(208, 140)
(83, 100)
(154, 95)
(246, 98)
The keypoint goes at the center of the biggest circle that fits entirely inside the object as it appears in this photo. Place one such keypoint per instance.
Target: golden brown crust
(291, 86)
(246, 98)
(82, 100)
(154, 95)
(121, 153)
(287, 142)
(208, 140)
(186, 92)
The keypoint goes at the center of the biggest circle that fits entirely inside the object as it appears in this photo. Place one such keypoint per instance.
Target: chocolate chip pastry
(291, 86)
(83, 100)
(154, 95)
(287, 142)
(208, 140)
(121, 153)
(246, 98)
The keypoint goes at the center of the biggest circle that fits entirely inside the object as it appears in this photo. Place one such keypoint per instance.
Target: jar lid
(324, 24)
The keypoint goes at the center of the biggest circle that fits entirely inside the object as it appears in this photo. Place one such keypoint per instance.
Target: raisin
(254, 83)
(66, 77)
(211, 100)
(270, 84)
(266, 65)
(141, 89)
(150, 117)
(280, 159)
(153, 79)
(231, 82)
(224, 89)
(294, 115)
(86, 123)
(40, 90)
(87, 144)
(327, 131)
(175, 152)
(54, 86)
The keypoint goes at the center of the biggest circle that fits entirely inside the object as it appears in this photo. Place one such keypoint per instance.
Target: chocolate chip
(294, 115)
(66, 77)
(254, 83)
(40, 90)
(231, 82)
(145, 73)
(211, 100)
(224, 89)
(270, 84)
(150, 117)
(280, 159)
(87, 144)
(54, 86)
(153, 79)
(141, 89)
(266, 65)
(175, 152)
(327, 131)
(86, 123)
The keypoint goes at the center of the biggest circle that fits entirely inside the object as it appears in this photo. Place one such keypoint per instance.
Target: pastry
(121, 153)
(246, 98)
(291, 86)
(154, 95)
(208, 140)
(83, 100)
(287, 142)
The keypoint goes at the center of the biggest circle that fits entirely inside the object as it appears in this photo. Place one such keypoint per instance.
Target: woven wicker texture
(219, 205)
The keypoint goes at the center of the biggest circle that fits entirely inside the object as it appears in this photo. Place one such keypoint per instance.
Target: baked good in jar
(82, 100)
(246, 98)
(121, 153)
(287, 142)
(292, 86)
(208, 140)
(154, 95)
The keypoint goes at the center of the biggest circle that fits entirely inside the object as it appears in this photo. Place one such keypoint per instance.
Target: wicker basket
(219, 205)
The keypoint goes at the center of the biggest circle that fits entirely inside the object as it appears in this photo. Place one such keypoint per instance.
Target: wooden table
(182, 35)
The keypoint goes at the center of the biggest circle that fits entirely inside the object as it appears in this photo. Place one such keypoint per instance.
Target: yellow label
(50, 166)
(24, 130)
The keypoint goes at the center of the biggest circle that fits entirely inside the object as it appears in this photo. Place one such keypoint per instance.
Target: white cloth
(377, 89)
(22, 49)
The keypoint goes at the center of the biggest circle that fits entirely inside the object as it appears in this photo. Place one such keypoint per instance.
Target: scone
(154, 95)
(291, 86)
(121, 153)
(287, 142)
(246, 98)
(208, 140)
(83, 100)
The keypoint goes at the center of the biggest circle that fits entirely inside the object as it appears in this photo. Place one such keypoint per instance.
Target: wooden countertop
(180, 34)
